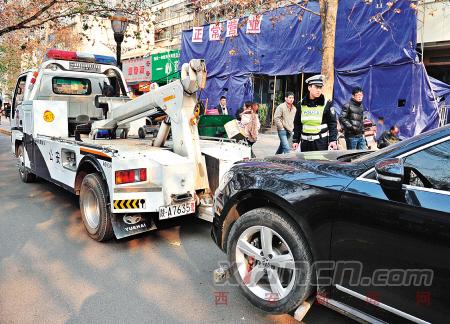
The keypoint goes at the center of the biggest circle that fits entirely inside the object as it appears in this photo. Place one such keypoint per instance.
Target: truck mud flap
(131, 224)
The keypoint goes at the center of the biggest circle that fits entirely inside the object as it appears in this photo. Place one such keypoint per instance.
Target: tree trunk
(328, 13)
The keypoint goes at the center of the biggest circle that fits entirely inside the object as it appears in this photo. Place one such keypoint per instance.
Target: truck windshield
(71, 86)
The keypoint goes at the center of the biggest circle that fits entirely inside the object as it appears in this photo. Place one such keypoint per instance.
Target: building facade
(171, 17)
(433, 30)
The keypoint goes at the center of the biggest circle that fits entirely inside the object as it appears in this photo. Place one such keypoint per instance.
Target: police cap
(316, 79)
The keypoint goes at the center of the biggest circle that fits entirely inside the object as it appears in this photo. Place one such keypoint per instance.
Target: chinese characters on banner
(254, 24)
(197, 35)
(232, 28)
(214, 32)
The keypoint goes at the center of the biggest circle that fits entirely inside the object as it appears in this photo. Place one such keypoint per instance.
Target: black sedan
(365, 233)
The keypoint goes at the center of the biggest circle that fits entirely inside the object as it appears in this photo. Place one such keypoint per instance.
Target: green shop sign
(165, 66)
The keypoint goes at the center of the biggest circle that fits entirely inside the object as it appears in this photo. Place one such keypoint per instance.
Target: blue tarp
(441, 90)
(374, 45)
(367, 35)
(442, 94)
(403, 97)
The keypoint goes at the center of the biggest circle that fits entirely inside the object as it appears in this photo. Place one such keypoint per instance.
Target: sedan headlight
(225, 179)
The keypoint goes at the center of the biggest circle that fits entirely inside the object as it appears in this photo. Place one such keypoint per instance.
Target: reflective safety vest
(312, 119)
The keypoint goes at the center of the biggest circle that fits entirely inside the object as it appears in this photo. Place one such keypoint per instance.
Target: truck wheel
(124, 134)
(141, 132)
(270, 260)
(94, 208)
(25, 175)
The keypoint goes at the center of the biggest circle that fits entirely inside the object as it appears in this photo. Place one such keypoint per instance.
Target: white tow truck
(69, 125)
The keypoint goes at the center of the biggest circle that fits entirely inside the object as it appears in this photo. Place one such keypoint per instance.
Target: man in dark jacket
(389, 137)
(222, 106)
(315, 126)
(351, 119)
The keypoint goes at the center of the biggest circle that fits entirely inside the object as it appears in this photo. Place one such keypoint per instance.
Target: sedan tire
(270, 260)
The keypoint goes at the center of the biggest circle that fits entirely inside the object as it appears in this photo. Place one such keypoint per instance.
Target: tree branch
(21, 24)
(66, 15)
(304, 8)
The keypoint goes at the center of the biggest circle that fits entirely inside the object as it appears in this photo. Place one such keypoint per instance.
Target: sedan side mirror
(390, 173)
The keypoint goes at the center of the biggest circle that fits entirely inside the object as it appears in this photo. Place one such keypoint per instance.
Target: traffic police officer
(315, 125)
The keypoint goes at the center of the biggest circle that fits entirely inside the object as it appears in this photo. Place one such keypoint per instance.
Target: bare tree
(27, 52)
(328, 13)
(34, 14)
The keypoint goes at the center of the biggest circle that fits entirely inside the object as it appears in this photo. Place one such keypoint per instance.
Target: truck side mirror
(390, 173)
(96, 101)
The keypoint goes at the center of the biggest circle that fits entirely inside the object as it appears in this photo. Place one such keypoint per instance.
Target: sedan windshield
(387, 150)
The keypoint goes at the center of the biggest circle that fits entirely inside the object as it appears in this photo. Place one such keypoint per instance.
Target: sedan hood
(318, 156)
(320, 163)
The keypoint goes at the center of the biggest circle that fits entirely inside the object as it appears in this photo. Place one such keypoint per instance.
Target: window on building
(177, 29)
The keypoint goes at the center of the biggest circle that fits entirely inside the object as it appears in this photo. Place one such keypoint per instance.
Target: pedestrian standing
(352, 120)
(247, 106)
(315, 125)
(222, 107)
(250, 123)
(284, 120)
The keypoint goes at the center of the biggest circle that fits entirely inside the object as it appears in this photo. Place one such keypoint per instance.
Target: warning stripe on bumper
(129, 204)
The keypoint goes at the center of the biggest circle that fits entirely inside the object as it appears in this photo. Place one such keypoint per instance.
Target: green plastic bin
(212, 125)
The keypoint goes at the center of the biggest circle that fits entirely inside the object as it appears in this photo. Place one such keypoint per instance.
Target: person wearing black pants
(315, 126)
(352, 120)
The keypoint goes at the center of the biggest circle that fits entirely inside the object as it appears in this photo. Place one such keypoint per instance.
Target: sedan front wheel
(270, 260)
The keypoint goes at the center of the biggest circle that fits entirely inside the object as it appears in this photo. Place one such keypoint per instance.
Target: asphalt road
(52, 272)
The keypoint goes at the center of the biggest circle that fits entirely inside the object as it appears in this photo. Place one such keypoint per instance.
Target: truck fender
(88, 164)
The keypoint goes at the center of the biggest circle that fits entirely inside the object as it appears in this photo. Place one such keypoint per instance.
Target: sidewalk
(266, 145)
(5, 127)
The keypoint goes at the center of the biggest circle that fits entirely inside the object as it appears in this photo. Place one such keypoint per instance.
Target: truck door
(17, 115)
(19, 93)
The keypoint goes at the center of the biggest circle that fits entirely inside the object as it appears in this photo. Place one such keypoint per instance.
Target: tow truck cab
(73, 78)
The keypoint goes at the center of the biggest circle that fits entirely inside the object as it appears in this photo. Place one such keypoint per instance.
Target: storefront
(270, 90)
(141, 72)
(243, 56)
(138, 74)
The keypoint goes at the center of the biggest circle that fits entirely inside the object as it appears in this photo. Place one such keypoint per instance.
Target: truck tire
(25, 175)
(94, 208)
(141, 132)
(275, 276)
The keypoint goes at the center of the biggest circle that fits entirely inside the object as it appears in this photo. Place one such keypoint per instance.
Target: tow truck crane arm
(177, 99)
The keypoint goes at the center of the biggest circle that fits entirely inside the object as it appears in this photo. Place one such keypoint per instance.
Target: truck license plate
(171, 211)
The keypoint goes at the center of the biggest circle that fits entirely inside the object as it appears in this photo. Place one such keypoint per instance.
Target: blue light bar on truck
(103, 59)
(79, 56)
